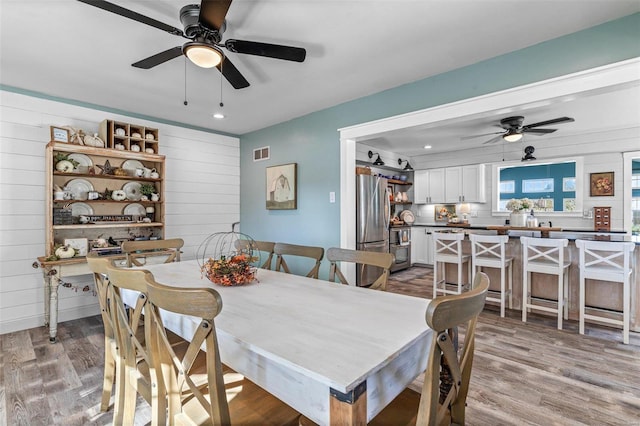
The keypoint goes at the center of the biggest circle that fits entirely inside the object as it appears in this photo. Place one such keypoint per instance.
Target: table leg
(46, 278)
(54, 283)
(349, 408)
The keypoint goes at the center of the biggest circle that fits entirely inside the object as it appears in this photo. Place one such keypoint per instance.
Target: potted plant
(147, 189)
(519, 209)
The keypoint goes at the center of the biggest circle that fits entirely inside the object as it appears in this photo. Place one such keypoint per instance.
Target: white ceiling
(614, 108)
(68, 49)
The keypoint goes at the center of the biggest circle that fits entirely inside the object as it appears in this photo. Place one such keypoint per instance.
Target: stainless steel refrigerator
(372, 222)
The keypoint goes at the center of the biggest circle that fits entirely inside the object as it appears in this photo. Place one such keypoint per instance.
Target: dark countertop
(570, 234)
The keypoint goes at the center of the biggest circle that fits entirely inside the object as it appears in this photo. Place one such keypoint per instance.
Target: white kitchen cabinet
(421, 246)
(429, 186)
(465, 184)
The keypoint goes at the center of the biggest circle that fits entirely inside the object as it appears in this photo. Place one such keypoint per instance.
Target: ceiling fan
(513, 129)
(203, 27)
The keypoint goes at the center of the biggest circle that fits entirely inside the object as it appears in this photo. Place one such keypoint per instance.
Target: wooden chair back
(444, 314)
(210, 401)
(605, 260)
(266, 247)
(138, 249)
(113, 372)
(361, 258)
(141, 378)
(488, 250)
(283, 249)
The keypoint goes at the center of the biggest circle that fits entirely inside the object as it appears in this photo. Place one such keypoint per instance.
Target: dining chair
(283, 249)
(133, 334)
(546, 256)
(113, 367)
(611, 262)
(447, 248)
(199, 388)
(138, 249)
(380, 261)
(446, 379)
(490, 251)
(260, 246)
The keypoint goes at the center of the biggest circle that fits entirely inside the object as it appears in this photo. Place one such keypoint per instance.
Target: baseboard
(20, 324)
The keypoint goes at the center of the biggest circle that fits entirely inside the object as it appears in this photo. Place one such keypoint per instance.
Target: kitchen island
(603, 295)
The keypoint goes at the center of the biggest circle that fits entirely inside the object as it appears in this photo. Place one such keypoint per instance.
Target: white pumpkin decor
(64, 166)
(118, 195)
(65, 252)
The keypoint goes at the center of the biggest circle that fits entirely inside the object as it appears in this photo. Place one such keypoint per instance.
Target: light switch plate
(332, 197)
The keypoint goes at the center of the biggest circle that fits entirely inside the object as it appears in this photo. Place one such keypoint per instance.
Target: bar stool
(545, 256)
(607, 261)
(491, 251)
(448, 249)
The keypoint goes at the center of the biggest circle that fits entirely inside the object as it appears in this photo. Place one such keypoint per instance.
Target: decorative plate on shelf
(84, 162)
(134, 209)
(407, 217)
(81, 209)
(131, 165)
(79, 188)
(132, 189)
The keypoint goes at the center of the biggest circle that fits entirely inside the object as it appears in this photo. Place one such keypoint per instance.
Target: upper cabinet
(465, 184)
(429, 186)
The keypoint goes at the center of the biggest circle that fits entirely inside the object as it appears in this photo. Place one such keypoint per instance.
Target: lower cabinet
(421, 246)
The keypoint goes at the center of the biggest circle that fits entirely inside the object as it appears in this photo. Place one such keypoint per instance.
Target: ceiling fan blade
(119, 10)
(493, 140)
(539, 132)
(212, 13)
(159, 58)
(231, 73)
(288, 53)
(552, 121)
(464, 138)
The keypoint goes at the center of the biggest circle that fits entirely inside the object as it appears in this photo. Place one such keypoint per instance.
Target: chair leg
(502, 291)
(435, 279)
(460, 278)
(582, 297)
(560, 301)
(510, 285)
(109, 375)
(566, 294)
(525, 294)
(626, 308)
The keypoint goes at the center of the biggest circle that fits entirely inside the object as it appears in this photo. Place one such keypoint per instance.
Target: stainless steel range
(400, 246)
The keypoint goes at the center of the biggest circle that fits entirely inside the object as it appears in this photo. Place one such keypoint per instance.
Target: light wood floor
(523, 373)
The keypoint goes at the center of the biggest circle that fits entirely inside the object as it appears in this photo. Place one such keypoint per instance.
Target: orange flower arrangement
(233, 271)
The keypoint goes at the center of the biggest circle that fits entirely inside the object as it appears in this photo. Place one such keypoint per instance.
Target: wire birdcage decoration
(226, 258)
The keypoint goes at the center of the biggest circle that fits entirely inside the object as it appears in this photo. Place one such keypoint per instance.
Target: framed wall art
(601, 184)
(282, 188)
(58, 134)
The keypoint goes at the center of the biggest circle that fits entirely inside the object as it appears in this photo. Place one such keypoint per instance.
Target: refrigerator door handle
(388, 211)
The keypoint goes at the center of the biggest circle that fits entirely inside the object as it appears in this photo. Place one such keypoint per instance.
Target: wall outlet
(332, 197)
(587, 214)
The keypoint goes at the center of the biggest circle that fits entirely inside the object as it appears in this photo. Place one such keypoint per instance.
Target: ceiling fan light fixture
(202, 54)
(512, 136)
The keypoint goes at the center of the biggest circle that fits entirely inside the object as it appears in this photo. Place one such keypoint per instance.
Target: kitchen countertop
(570, 234)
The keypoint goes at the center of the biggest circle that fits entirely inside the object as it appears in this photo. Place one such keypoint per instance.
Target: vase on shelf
(518, 219)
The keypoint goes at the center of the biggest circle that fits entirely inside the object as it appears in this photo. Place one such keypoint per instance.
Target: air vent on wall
(260, 154)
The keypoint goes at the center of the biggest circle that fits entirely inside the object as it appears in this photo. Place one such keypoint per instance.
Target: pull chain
(185, 82)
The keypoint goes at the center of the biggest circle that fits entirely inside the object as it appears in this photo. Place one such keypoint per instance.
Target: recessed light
(427, 147)
(218, 115)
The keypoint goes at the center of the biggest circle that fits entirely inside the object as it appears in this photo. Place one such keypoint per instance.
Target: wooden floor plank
(523, 373)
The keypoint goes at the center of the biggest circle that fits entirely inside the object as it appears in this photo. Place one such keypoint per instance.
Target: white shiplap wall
(202, 196)
(601, 151)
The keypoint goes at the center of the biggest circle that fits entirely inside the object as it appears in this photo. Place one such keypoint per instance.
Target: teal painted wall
(312, 141)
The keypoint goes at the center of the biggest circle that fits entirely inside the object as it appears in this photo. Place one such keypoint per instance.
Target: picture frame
(601, 184)
(80, 244)
(59, 134)
(282, 187)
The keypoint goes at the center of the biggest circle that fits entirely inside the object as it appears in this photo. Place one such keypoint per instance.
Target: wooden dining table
(338, 354)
